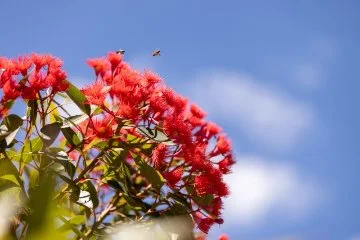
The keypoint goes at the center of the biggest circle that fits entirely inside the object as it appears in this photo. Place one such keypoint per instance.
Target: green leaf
(137, 204)
(30, 147)
(72, 224)
(114, 184)
(9, 140)
(152, 175)
(73, 121)
(179, 198)
(49, 133)
(41, 205)
(10, 180)
(10, 124)
(89, 187)
(95, 142)
(154, 134)
(177, 209)
(72, 138)
(62, 158)
(78, 97)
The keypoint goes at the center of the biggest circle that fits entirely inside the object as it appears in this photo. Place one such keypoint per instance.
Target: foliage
(136, 152)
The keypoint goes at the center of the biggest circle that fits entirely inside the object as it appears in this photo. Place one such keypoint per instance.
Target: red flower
(205, 224)
(225, 164)
(100, 65)
(208, 184)
(28, 93)
(103, 127)
(114, 59)
(212, 129)
(174, 100)
(152, 78)
(174, 176)
(3, 110)
(37, 81)
(197, 112)
(158, 156)
(223, 237)
(96, 93)
(11, 90)
(217, 206)
(40, 60)
(177, 129)
(223, 145)
(22, 64)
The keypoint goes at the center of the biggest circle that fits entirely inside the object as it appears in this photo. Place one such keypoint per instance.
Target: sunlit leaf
(72, 138)
(78, 97)
(10, 180)
(30, 147)
(155, 135)
(73, 121)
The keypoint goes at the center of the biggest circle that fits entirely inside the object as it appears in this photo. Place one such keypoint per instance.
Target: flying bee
(120, 51)
(156, 53)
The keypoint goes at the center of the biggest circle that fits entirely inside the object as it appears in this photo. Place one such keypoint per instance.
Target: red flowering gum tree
(137, 152)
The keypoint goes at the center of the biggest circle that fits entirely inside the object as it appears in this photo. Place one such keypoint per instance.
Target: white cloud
(259, 188)
(266, 114)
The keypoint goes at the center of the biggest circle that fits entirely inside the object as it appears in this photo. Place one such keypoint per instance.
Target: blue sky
(282, 77)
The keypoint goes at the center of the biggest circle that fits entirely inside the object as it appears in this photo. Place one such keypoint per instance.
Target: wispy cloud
(260, 187)
(267, 115)
(310, 68)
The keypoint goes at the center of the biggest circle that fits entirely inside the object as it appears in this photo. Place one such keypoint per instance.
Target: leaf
(152, 175)
(30, 147)
(10, 124)
(95, 142)
(41, 205)
(72, 138)
(53, 112)
(72, 224)
(137, 204)
(87, 186)
(179, 198)
(9, 140)
(78, 97)
(73, 121)
(10, 180)
(49, 133)
(155, 135)
(114, 184)
(62, 158)
(177, 209)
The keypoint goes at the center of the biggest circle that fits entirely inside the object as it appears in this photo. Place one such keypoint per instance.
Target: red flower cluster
(199, 156)
(26, 76)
